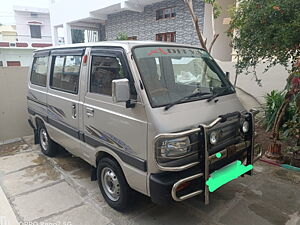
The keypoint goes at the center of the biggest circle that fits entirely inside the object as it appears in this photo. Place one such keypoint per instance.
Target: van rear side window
(39, 71)
(65, 73)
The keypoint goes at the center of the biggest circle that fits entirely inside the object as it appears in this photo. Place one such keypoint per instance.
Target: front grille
(229, 134)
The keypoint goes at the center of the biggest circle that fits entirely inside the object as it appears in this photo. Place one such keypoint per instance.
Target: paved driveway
(59, 191)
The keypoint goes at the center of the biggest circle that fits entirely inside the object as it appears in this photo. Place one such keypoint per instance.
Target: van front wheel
(113, 184)
(48, 146)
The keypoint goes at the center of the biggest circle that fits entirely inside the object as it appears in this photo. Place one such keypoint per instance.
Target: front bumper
(167, 186)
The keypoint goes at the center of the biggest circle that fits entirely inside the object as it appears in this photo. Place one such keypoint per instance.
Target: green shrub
(292, 132)
(122, 36)
(273, 102)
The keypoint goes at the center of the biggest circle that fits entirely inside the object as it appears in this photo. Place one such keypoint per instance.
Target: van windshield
(171, 73)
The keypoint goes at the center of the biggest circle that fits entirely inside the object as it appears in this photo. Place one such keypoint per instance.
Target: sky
(6, 8)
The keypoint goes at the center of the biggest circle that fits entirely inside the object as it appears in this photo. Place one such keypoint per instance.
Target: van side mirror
(120, 90)
(227, 74)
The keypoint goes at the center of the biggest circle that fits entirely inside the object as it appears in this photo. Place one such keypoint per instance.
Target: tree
(216, 11)
(77, 36)
(269, 31)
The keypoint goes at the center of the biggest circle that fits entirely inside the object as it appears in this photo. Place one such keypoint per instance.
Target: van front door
(63, 98)
(109, 125)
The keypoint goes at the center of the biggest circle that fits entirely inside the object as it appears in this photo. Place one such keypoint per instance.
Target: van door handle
(74, 111)
(89, 112)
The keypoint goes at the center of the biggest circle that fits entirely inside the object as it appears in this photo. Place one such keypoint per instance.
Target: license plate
(226, 174)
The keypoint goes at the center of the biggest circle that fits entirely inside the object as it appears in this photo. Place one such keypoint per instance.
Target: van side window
(104, 70)
(65, 73)
(39, 71)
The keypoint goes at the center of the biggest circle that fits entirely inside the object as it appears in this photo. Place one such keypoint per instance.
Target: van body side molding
(32, 112)
(67, 129)
(36, 101)
(127, 158)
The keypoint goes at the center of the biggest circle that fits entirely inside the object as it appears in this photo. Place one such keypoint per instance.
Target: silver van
(158, 118)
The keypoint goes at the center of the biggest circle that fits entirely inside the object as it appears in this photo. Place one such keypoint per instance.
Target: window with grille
(166, 13)
(35, 31)
(168, 37)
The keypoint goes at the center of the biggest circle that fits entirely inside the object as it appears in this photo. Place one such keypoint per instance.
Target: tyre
(48, 147)
(113, 184)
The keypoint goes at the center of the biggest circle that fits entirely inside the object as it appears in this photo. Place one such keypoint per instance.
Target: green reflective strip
(226, 174)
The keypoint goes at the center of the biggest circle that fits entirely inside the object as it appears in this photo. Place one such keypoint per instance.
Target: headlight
(175, 147)
(245, 127)
(213, 138)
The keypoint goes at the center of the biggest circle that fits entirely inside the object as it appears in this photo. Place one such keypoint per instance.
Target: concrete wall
(13, 107)
(24, 55)
(145, 26)
(274, 79)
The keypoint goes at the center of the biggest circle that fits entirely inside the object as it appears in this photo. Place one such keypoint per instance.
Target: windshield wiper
(186, 98)
(217, 94)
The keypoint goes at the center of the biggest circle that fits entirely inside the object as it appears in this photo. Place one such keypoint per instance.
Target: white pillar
(67, 33)
(54, 36)
(207, 28)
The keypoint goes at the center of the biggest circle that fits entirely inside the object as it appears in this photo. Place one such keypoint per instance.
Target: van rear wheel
(113, 185)
(48, 147)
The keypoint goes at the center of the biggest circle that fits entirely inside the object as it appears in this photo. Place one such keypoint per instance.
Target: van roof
(124, 44)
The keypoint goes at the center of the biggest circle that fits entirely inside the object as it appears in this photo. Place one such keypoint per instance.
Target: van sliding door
(63, 98)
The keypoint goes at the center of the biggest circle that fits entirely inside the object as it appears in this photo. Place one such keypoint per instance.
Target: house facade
(33, 25)
(32, 31)
(12, 52)
(161, 21)
(167, 20)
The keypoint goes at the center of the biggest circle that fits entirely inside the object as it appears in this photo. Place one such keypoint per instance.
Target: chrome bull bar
(180, 168)
(176, 135)
(207, 159)
(225, 152)
(181, 134)
(260, 153)
(254, 112)
(182, 181)
(211, 160)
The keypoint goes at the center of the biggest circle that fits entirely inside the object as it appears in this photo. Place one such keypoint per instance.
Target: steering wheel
(159, 90)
